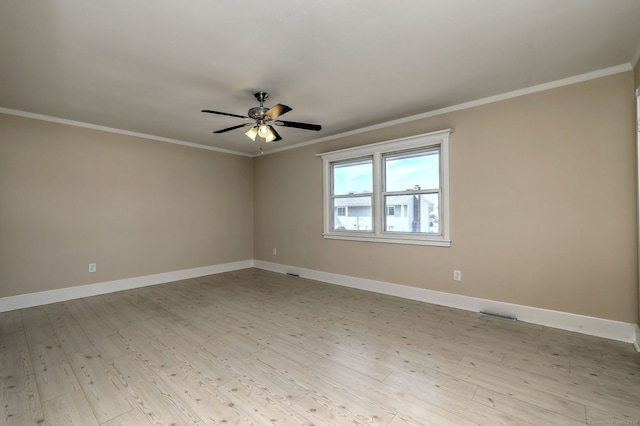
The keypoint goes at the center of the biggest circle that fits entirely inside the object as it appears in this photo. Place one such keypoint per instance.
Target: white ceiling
(150, 66)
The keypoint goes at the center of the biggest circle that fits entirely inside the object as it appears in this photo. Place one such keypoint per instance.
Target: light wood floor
(254, 347)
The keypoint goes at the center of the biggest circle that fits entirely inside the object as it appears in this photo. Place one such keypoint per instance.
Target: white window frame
(438, 139)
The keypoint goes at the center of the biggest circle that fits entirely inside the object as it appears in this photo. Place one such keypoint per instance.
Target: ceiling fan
(261, 120)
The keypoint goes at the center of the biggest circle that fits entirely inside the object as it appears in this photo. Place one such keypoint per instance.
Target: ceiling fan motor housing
(257, 113)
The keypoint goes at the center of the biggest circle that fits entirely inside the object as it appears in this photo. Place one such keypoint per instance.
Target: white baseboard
(60, 295)
(599, 327)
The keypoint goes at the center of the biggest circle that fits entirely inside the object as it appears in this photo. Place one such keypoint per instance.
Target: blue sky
(402, 173)
(353, 178)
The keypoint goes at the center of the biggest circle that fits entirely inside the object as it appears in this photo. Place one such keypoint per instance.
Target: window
(412, 182)
(395, 191)
(352, 190)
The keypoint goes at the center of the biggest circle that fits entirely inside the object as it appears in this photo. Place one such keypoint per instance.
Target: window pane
(417, 213)
(412, 170)
(352, 214)
(354, 177)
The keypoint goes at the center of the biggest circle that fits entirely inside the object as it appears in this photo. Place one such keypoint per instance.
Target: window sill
(438, 242)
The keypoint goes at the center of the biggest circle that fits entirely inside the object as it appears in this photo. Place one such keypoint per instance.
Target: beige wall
(543, 201)
(636, 73)
(70, 196)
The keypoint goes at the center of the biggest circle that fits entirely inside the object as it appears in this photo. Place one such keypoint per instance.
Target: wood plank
(257, 403)
(130, 418)
(68, 409)
(420, 413)
(10, 322)
(37, 326)
(105, 393)
(468, 409)
(94, 326)
(329, 395)
(503, 383)
(499, 379)
(607, 416)
(70, 333)
(521, 410)
(399, 399)
(210, 367)
(20, 401)
(151, 395)
(590, 393)
(53, 373)
(15, 360)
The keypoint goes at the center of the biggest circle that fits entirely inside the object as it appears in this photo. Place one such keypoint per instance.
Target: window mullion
(378, 203)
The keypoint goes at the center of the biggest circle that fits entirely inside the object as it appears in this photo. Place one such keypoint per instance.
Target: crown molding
(471, 104)
(117, 131)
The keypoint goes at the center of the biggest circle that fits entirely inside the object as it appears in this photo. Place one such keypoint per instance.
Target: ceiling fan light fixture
(252, 133)
(270, 136)
(264, 130)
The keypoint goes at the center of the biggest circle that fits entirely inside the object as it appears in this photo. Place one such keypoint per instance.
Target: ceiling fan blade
(224, 113)
(276, 111)
(233, 128)
(278, 138)
(305, 126)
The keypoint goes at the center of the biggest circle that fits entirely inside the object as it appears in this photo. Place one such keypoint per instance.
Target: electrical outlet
(92, 267)
(457, 275)
(275, 251)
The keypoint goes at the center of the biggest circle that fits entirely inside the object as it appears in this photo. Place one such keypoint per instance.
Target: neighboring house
(405, 213)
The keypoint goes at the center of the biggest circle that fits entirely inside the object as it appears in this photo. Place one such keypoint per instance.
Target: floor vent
(506, 317)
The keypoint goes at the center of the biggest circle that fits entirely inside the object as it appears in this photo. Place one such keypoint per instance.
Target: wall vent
(492, 314)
